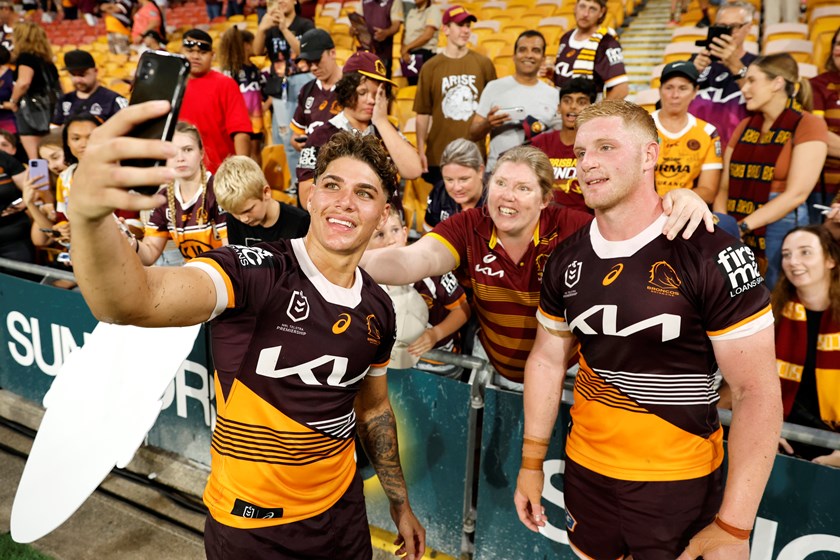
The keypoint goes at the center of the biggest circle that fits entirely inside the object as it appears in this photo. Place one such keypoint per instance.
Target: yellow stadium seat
(646, 98)
(688, 34)
(822, 47)
(785, 31)
(679, 51)
(655, 76)
(495, 47)
(275, 168)
(415, 197)
(801, 50)
(403, 104)
(504, 65)
(822, 24)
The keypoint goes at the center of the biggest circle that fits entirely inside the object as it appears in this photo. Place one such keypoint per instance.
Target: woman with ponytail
(191, 218)
(774, 159)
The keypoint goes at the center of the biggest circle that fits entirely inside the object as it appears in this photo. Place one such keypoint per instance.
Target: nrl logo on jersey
(572, 275)
(298, 309)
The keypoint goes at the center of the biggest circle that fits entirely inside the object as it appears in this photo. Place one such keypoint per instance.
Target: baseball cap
(457, 14)
(367, 64)
(313, 43)
(78, 60)
(198, 38)
(682, 68)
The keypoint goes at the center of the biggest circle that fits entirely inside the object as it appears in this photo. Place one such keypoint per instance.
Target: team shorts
(606, 518)
(341, 532)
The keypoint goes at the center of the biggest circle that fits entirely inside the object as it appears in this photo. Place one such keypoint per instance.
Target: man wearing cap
(689, 148)
(448, 91)
(88, 96)
(214, 104)
(592, 51)
(362, 95)
(510, 104)
(316, 101)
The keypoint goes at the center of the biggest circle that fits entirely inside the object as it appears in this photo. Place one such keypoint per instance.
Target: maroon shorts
(607, 518)
(340, 532)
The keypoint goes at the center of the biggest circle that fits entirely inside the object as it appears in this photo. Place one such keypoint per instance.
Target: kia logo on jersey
(298, 309)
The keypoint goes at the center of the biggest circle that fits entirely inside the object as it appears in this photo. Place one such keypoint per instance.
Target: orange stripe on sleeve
(740, 323)
(449, 246)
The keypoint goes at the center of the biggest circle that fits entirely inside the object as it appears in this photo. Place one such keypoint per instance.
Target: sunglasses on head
(200, 45)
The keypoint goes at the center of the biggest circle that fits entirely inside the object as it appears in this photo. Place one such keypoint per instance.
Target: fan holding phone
(722, 65)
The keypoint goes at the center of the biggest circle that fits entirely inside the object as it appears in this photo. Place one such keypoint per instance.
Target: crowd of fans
(745, 133)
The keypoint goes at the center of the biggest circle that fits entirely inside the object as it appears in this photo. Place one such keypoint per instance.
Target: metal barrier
(445, 426)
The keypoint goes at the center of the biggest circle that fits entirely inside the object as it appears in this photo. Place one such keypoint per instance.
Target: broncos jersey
(645, 312)
(290, 350)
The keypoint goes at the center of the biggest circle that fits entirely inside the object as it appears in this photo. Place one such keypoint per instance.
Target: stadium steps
(644, 41)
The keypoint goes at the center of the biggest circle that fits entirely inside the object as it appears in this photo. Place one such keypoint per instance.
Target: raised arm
(749, 367)
(544, 374)
(685, 210)
(378, 431)
(114, 282)
(401, 151)
(405, 265)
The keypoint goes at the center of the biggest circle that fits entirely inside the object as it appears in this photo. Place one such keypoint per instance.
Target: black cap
(78, 60)
(682, 68)
(313, 43)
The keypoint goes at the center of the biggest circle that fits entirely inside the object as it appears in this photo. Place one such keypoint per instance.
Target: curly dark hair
(345, 89)
(367, 149)
(785, 291)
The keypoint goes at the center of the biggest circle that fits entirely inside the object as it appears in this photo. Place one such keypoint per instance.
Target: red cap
(457, 14)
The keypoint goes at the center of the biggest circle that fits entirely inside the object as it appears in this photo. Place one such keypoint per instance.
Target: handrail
(792, 432)
(36, 269)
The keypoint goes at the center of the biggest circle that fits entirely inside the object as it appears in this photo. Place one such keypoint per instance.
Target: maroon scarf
(753, 166)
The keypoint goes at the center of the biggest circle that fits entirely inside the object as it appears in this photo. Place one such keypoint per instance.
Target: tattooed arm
(378, 432)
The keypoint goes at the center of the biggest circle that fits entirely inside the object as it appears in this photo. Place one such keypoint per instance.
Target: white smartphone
(38, 170)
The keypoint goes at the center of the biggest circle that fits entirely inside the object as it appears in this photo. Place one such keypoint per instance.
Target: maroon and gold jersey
(505, 293)
(645, 312)
(316, 106)
(290, 350)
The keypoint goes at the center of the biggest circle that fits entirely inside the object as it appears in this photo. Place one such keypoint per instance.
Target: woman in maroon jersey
(502, 249)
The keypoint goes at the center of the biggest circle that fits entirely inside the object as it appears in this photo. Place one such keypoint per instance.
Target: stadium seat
(822, 47)
(688, 34)
(403, 105)
(801, 50)
(807, 70)
(504, 65)
(415, 198)
(655, 76)
(275, 168)
(785, 31)
(679, 51)
(647, 98)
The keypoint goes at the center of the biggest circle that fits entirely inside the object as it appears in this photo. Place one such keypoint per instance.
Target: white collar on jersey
(348, 297)
(692, 122)
(616, 249)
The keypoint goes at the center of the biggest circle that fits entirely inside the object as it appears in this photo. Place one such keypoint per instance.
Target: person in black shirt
(15, 243)
(88, 96)
(253, 216)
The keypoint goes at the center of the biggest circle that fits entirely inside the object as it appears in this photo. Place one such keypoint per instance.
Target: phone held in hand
(714, 32)
(38, 171)
(159, 76)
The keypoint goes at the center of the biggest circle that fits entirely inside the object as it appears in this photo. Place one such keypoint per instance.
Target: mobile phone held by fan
(39, 172)
(159, 76)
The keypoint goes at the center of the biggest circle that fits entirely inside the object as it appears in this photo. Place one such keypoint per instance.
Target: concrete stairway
(644, 42)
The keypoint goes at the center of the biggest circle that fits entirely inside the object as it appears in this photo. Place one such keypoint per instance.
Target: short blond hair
(632, 115)
(238, 179)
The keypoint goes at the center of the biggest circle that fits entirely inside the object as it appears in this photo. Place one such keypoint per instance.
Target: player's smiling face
(609, 161)
(514, 199)
(347, 203)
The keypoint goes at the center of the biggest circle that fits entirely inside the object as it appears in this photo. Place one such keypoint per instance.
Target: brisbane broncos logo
(664, 277)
